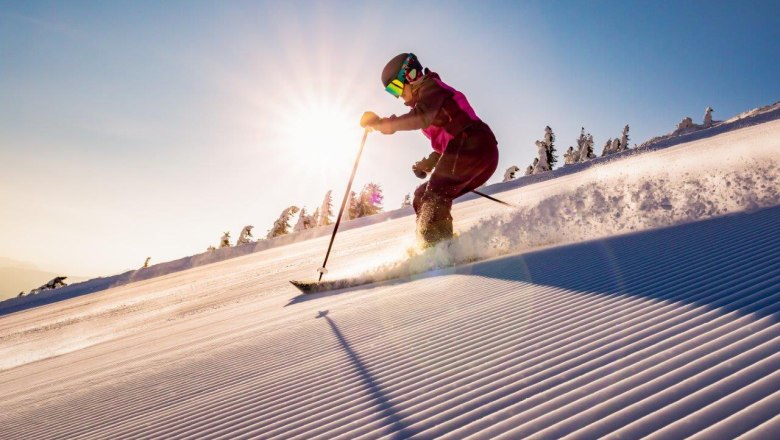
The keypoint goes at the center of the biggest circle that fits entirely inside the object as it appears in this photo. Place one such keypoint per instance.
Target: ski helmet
(406, 65)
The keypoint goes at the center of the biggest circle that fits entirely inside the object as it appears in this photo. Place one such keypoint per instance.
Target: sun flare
(322, 136)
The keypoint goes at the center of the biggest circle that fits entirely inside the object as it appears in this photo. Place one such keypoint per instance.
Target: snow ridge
(610, 204)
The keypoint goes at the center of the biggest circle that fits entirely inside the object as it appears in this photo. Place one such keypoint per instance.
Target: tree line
(365, 203)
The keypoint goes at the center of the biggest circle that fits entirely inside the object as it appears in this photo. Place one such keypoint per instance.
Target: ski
(309, 287)
(314, 286)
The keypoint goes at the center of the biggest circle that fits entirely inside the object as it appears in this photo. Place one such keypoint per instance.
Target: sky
(147, 129)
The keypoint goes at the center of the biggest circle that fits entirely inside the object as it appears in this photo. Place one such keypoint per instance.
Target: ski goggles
(396, 86)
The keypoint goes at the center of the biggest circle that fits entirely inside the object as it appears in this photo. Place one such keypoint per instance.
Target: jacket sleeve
(430, 100)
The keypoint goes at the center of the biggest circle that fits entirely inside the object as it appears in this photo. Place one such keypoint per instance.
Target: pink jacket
(439, 110)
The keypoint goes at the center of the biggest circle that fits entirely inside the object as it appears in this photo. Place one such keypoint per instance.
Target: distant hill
(18, 276)
(7, 262)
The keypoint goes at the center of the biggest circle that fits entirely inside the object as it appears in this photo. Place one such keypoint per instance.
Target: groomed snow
(636, 296)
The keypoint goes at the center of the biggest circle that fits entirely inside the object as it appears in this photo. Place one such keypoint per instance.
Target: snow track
(669, 331)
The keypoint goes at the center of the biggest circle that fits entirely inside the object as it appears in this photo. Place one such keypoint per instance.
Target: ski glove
(382, 125)
(369, 119)
(426, 165)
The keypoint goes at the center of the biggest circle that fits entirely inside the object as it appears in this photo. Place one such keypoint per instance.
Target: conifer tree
(407, 201)
(615, 145)
(589, 146)
(686, 123)
(351, 211)
(549, 140)
(624, 139)
(542, 164)
(370, 201)
(581, 153)
(282, 224)
(584, 147)
(225, 240)
(315, 218)
(532, 167)
(708, 117)
(245, 236)
(300, 225)
(326, 211)
(607, 148)
(568, 156)
(510, 173)
(310, 221)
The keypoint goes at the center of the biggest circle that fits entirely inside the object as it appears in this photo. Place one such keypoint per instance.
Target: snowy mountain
(635, 295)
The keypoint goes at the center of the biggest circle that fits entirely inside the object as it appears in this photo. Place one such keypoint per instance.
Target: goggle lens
(395, 88)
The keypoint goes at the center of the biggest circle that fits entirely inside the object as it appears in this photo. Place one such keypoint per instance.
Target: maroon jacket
(441, 112)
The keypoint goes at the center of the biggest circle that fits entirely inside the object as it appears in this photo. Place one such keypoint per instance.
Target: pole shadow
(387, 412)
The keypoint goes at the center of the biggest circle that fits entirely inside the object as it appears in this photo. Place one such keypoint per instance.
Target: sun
(322, 135)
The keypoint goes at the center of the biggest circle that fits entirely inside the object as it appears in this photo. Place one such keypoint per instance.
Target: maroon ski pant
(468, 161)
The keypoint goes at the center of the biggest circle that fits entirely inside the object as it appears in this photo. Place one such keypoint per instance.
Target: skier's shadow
(386, 409)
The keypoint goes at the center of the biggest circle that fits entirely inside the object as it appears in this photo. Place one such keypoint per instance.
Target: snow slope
(635, 297)
(746, 119)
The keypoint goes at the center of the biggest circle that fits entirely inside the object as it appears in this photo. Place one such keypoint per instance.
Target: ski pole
(424, 175)
(489, 197)
(322, 270)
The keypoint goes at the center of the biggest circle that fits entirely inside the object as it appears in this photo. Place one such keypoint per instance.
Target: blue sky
(135, 129)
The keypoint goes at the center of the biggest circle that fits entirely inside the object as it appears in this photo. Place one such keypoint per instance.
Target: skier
(465, 151)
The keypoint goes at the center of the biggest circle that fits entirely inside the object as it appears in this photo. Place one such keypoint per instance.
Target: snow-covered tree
(624, 139)
(282, 224)
(607, 148)
(351, 208)
(584, 150)
(510, 173)
(542, 164)
(210, 249)
(315, 218)
(407, 201)
(55, 283)
(305, 221)
(326, 211)
(708, 117)
(546, 154)
(581, 145)
(549, 141)
(530, 169)
(569, 156)
(581, 139)
(245, 236)
(225, 240)
(616, 145)
(589, 147)
(370, 200)
(299, 225)
(310, 221)
(687, 122)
